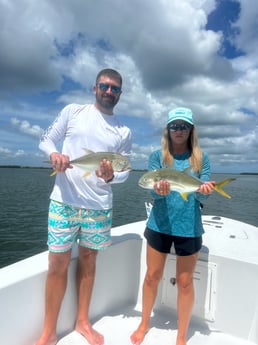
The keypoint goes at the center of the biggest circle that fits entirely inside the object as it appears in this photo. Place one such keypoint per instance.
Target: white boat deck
(223, 251)
(117, 330)
(226, 284)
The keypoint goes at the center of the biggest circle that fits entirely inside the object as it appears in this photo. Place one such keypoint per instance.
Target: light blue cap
(184, 114)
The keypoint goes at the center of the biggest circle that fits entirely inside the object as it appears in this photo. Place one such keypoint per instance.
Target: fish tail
(219, 185)
(184, 195)
(53, 173)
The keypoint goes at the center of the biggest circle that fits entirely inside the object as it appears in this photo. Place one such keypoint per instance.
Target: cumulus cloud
(51, 52)
(25, 127)
(20, 153)
(4, 151)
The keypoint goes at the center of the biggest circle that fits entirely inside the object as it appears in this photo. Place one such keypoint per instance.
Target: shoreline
(143, 170)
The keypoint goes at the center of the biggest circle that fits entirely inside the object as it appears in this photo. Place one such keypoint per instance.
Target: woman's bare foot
(180, 340)
(91, 335)
(138, 336)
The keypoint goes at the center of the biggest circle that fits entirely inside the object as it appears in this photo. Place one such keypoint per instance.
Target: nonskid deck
(118, 328)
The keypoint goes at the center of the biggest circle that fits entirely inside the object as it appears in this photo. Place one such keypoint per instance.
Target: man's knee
(58, 262)
(87, 254)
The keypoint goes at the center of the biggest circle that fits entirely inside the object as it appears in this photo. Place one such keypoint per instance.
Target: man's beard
(107, 101)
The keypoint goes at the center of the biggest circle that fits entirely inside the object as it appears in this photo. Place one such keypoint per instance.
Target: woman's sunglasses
(179, 127)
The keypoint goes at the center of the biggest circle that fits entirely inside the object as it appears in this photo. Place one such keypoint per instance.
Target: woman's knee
(153, 278)
(185, 283)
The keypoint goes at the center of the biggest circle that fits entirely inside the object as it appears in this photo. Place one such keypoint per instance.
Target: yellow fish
(180, 181)
(91, 160)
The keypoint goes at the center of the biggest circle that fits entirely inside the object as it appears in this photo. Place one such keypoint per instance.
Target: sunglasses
(105, 87)
(179, 127)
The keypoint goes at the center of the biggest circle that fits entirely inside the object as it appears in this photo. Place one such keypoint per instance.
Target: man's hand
(105, 170)
(60, 162)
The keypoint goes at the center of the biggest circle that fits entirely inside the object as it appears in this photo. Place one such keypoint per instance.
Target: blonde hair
(193, 147)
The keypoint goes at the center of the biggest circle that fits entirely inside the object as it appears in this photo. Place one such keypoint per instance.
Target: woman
(174, 220)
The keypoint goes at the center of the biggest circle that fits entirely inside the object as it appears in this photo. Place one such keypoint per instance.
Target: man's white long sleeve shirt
(83, 127)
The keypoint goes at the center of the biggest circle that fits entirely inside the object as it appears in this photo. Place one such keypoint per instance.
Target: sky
(200, 54)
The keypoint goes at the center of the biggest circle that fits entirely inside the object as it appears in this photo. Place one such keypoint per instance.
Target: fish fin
(87, 173)
(54, 172)
(218, 186)
(88, 152)
(184, 195)
(187, 171)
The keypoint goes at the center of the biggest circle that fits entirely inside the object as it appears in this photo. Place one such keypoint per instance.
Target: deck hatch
(205, 288)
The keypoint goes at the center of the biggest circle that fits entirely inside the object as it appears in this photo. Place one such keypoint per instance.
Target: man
(81, 208)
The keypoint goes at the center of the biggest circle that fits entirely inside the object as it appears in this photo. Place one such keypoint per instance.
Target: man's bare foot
(138, 336)
(43, 340)
(91, 335)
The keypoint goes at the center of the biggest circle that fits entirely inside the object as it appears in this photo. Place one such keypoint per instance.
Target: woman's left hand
(162, 187)
(207, 187)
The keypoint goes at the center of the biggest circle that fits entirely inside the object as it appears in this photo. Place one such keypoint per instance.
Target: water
(24, 198)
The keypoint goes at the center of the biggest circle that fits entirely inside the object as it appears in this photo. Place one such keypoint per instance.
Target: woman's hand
(206, 187)
(162, 187)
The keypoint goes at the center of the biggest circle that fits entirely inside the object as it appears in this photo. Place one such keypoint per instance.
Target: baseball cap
(184, 114)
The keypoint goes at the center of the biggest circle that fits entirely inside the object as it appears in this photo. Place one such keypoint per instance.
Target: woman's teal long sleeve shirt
(171, 214)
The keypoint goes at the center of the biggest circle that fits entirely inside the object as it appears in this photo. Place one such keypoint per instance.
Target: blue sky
(195, 53)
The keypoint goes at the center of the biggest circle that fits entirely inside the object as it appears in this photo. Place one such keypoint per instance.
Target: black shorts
(183, 245)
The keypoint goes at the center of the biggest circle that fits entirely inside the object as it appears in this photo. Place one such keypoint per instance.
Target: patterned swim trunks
(69, 224)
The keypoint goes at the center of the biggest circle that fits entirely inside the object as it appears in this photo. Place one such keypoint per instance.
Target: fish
(180, 181)
(91, 160)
